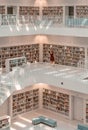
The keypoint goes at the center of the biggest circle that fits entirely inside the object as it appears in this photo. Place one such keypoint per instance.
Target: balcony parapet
(56, 21)
(29, 25)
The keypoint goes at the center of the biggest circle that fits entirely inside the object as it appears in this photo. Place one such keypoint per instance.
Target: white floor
(24, 122)
(74, 79)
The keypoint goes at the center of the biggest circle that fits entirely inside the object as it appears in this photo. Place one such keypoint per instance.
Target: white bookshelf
(31, 52)
(23, 102)
(82, 11)
(65, 55)
(2, 9)
(56, 101)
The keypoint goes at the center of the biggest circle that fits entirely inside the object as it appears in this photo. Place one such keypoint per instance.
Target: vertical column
(40, 12)
(84, 111)
(64, 15)
(40, 52)
(18, 10)
(71, 107)
(40, 95)
(10, 106)
(77, 21)
(0, 19)
(86, 59)
(6, 9)
(74, 11)
(17, 15)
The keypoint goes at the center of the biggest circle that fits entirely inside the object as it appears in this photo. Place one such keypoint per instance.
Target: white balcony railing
(55, 21)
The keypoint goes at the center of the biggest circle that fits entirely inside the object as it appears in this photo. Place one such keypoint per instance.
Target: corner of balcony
(12, 25)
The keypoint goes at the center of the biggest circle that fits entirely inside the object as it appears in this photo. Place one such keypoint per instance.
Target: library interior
(44, 64)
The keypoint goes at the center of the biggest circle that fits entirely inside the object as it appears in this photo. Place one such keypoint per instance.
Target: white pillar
(71, 107)
(74, 11)
(5, 9)
(64, 15)
(40, 52)
(84, 111)
(86, 59)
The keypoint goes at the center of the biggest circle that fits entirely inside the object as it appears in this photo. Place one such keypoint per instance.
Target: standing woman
(52, 61)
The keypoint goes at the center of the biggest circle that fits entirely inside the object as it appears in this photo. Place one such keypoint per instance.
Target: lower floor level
(24, 121)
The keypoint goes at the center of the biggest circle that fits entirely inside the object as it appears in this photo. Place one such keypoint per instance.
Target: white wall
(6, 31)
(67, 2)
(78, 108)
(4, 108)
(62, 40)
(51, 39)
(19, 40)
(44, 2)
(66, 40)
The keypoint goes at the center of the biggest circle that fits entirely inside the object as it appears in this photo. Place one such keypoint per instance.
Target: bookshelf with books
(4, 122)
(35, 98)
(86, 112)
(56, 101)
(54, 13)
(29, 10)
(78, 55)
(2, 9)
(23, 102)
(29, 100)
(60, 55)
(46, 54)
(82, 11)
(64, 55)
(68, 55)
(31, 52)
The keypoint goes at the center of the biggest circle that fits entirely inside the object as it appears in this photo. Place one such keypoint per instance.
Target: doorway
(69, 11)
(11, 10)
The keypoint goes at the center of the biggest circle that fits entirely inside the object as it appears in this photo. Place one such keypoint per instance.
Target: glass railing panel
(8, 19)
(76, 22)
(44, 21)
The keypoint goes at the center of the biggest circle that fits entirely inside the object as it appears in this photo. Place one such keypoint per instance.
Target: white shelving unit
(82, 11)
(56, 101)
(54, 13)
(23, 102)
(4, 122)
(2, 9)
(13, 62)
(65, 55)
(31, 52)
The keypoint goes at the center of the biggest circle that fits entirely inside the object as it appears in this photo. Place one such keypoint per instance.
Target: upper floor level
(68, 18)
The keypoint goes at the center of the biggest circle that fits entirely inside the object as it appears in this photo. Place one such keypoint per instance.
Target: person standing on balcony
(52, 60)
